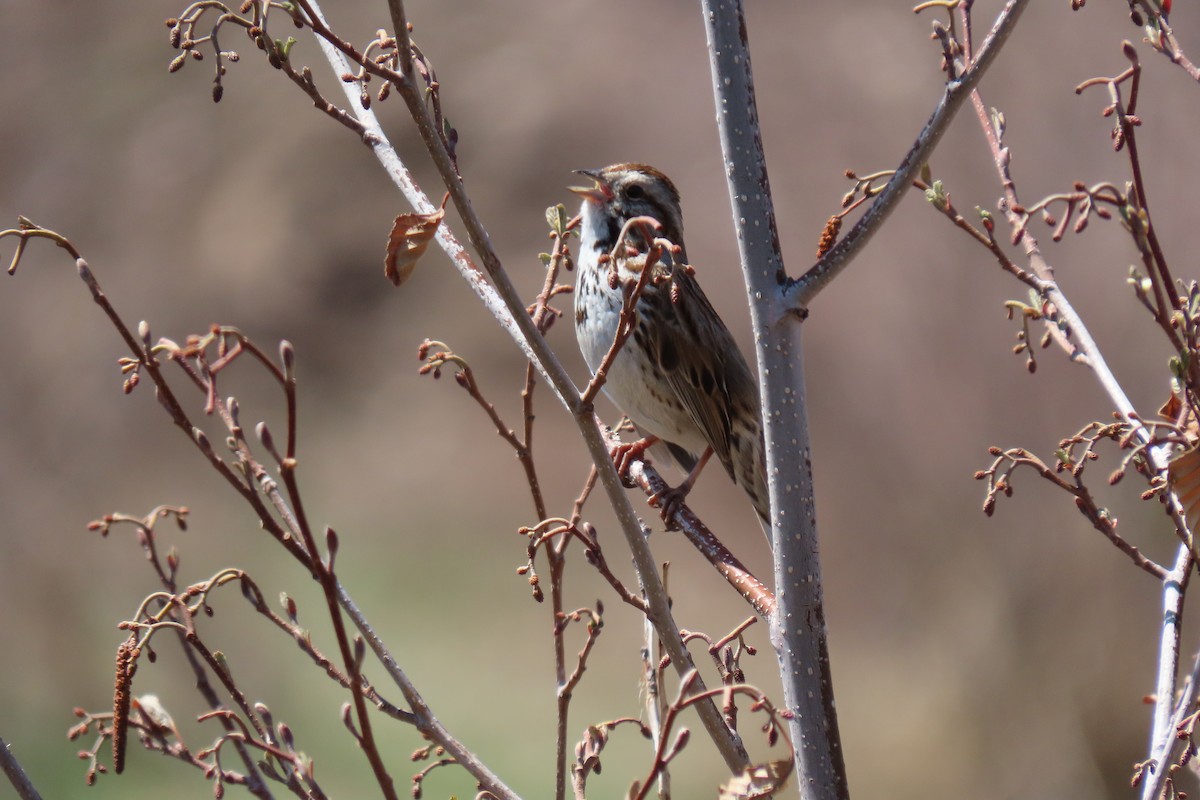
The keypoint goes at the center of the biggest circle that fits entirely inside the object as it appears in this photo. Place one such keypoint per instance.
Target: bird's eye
(635, 192)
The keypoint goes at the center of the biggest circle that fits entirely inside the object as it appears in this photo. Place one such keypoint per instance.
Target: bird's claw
(624, 454)
(669, 501)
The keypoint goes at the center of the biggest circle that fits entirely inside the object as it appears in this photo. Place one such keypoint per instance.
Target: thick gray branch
(798, 624)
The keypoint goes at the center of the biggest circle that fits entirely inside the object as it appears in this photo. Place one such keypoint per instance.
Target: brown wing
(703, 364)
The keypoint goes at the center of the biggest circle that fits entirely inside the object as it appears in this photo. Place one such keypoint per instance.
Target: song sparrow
(680, 377)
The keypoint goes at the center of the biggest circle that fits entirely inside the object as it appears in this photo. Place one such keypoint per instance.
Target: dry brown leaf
(1174, 411)
(410, 237)
(1184, 472)
(758, 781)
(1170, 409)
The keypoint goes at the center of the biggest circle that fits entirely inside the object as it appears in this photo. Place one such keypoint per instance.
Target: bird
(679, 377)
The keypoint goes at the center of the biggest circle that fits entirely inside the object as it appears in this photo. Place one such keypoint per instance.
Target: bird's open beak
(601, 192)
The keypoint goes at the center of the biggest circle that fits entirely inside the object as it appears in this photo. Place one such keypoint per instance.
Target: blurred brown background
(973, 657)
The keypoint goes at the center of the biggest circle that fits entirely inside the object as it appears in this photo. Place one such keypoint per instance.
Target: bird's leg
(624, 454)
(669, 500)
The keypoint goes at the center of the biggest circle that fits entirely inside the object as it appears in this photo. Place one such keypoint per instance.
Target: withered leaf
(1183, 472)
(1170, 409)
(758, 781)
(410, 237)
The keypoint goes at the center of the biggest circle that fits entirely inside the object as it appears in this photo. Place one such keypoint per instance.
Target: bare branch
(16, 774)
(800, 292)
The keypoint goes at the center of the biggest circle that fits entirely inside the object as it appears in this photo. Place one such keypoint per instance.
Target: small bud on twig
(287, 354)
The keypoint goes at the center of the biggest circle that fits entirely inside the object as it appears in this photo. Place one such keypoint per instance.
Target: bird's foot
(670, 500)
(624, 454)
